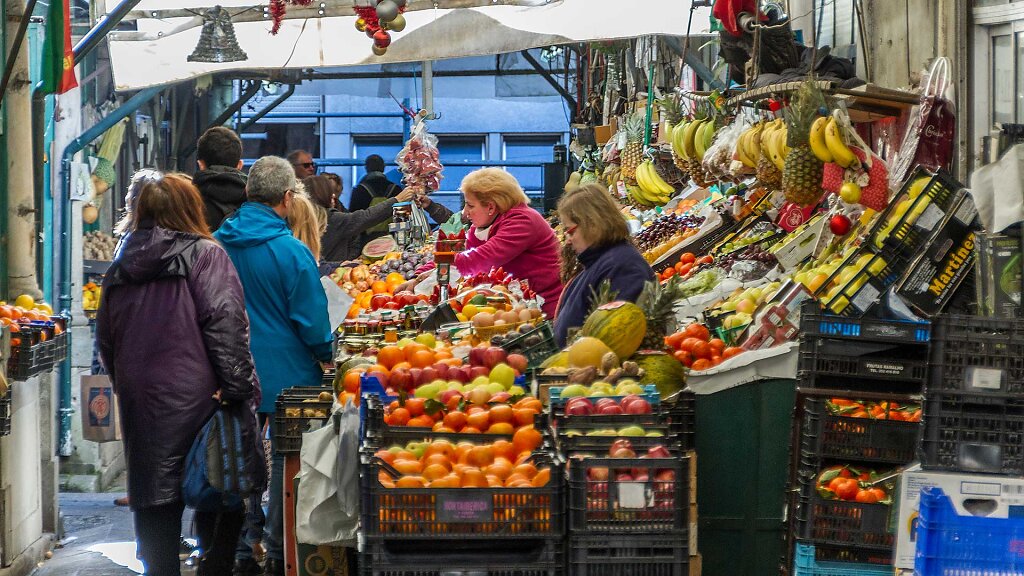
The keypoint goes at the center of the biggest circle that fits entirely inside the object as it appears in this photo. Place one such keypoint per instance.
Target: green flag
(58, 55)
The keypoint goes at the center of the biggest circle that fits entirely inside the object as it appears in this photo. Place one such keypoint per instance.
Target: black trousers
(158, 532)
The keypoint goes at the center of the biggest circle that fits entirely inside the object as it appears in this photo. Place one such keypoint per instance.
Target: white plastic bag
(325, 510)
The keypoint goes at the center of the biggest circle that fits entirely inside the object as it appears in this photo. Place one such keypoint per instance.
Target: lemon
(45, 308)
(469, 310)
(25, 301)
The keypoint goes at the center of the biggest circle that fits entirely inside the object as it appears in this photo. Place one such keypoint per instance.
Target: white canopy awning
(156, 54)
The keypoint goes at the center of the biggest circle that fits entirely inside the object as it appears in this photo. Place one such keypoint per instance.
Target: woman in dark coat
(174, 337)
(596, 230)
(341, 239)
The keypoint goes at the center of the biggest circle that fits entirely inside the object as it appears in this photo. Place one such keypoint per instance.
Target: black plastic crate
(297, 409)
(31, 351)
(863, 360)
(538, 345)
(644, 555)
(5, 413)
(847, 524)
(627, 506)
(525, 557)
(679, 416)
(571, 445)
(970, 433)
(60, 347)
(836, 554)
(462, 514)
(976, 354)
(813, 322)
(849, 439)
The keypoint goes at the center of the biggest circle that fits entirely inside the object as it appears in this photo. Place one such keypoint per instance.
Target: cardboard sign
(100, 419)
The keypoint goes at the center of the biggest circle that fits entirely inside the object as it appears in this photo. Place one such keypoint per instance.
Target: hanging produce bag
(100, 422)
(929, 139)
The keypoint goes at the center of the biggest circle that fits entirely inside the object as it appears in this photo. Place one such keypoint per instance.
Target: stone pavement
(99, 538)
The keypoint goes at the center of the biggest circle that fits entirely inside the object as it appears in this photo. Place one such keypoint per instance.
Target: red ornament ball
(381, 38)
(840, 225)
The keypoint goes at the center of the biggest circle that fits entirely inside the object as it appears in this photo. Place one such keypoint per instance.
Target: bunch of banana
(773, 142)
(748, 145)
(703, 138)
(828, 142)
(652, 189)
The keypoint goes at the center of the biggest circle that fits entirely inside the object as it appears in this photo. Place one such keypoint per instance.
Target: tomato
(708, 259)
(834, 484)
(684, 357)
(668, 273)
(688, 343)
(848, 489)
(701, 350)
(731, 351)
(379, 300)
(878, 493)
(684, 269)
(698, 330)
(717, 346)
(701, 364)
(866, 497)
(687, 258)
(674, 340)
(716, 360)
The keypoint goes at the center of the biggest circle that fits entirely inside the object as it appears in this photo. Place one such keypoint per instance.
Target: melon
(587, 351)
(662, 370)
(379, 247)
(620, 325)
(559, 360)
(353, 362)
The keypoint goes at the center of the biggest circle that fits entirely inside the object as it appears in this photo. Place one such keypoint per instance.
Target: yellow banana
(677, 139)
(688, 137)
(841, 153)
(775, 147)
(700, 143)
(664, 188)
(753, 143)
(643, 178)
(817, 140)
(741, 149)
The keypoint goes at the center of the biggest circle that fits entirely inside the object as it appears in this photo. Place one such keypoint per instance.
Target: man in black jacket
(373, 189)
(220, 180)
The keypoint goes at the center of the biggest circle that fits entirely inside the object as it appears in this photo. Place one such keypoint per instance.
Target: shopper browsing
(291, 332)
(593, 225)
(173, 335)
(219, 179)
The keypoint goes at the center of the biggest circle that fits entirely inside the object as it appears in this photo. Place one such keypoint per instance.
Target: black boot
(246, 567)
(273, 567)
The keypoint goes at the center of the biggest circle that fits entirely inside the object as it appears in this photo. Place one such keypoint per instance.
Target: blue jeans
(273, 527)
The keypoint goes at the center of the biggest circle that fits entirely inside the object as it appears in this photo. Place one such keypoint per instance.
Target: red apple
(620, 443)
(381, 377)
(839, 225)
(476, 371)
(476, 356)
(634, 404)
(610, 410)
(447, 395)
(658, 451)
(378, 301)
(623, 453)
(640, 477)
(401, 378)
(665, 476)
(465, 374)
(518, 362)
(623, 477)
(429, 375)
(579, 407)
(442, 370)
(417, 375)
(501, 397)
(598, 473)
(493, 356)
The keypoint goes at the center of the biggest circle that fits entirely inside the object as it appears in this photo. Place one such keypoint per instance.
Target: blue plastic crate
(815, 323)
(949, 544)
(804, 564)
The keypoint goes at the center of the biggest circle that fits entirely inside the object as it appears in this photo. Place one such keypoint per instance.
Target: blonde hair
(495, 186)
(305, 223)
(596, 213)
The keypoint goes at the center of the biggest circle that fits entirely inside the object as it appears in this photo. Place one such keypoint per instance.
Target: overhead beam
(256, 12)
(313, 75)
(547, 76)
(225, 115)
(93, 37)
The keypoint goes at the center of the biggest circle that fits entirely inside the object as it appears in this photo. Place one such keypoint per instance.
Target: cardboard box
(948, 257)
(778, 320)
(971, 494)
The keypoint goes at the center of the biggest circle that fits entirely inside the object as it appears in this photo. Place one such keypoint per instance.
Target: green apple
(504, 374)
(495, 387)
(573, 390)
(428, 390)
(654, 434)
(481, 381)
(632, 431)
(516, 391)
(427, 339)
(417, 448)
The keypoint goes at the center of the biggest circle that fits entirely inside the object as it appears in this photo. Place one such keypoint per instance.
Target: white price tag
(632, 495)
(867, 296)
(986, 378)
(931, 216)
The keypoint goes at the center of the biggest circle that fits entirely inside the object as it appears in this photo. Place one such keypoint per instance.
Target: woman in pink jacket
(505, 232)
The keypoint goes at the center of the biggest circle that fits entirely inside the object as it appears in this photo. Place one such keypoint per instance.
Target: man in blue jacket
(287, 308)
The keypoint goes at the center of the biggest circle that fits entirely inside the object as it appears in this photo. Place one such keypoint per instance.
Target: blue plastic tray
(804, 564)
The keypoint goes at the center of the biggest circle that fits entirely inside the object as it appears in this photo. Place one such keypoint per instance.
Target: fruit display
(629, 404)
(694, 347)
(738, 309)
(26, 313)
(602, 389)
(854, 484)
(885, 410)
(92, 293)
(442, 464)
(665, 232)
(98, 245)
(407, 263)
(758, 233)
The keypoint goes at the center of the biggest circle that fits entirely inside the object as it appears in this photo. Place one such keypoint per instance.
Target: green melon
(620, 325)
(379, 247)
(662, 370)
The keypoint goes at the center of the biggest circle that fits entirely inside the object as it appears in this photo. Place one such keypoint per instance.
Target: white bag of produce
(1001, 184)
(327, 503)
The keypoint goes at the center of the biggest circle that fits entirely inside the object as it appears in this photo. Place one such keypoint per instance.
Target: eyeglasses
(306, 165)
(571, 230)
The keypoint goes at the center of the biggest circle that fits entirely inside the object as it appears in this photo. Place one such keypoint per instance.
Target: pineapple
(633, 153)
(801, 177)
(657, 303)
(697, 173)
(767, 173)
(603, 295)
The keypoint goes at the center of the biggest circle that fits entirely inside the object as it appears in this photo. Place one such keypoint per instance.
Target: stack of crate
(632, 513)
(858, 420)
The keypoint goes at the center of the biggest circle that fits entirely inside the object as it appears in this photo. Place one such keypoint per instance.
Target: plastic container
(979, 355)
(843, 523)
(461, 514)
(678, 418)
(952, 545)
(299, 411)
(855, 295)
(34, 354)
(971, 433)
(839, 358)
(805, 564)
(815, 323)
(909, 234)
(641, 555)
(650, 394)
(600, 504)
(834, 437)
(5, 413)
(537, 352)
(527, 557)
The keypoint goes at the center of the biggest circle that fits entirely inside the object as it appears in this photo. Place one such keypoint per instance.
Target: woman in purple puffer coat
(174, 336)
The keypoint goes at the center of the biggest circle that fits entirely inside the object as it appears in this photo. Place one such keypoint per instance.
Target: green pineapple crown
(801, 113)
(634, 126)
(673, 108)
(658, 301)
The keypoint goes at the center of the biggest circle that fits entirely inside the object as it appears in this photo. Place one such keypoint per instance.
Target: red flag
(58, 52)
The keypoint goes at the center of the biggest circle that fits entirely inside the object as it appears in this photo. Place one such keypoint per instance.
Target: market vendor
(593, 225)
(505, 232)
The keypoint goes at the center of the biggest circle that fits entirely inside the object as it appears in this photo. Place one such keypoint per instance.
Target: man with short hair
(219, 179)
(373, 189)
(302, 164)
(290, 333)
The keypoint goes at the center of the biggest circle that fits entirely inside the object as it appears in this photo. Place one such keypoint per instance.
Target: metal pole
(76, 145)
(98, 32)
(547, 76)
(266, 110)
(406, 122)
(220, 120)
(19, 39)
(428, 87)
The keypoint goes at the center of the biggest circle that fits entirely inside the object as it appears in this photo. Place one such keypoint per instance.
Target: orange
(500, 428)
(405, 455)
(501, 413)
(451, 361)
(524, 416)
(385, 480)
(389, 356)
(401, 365)
(351, 380)
(470, 430)
(410, 482)
(530, 403)
(542, 478)
(415, 406)
(442, 355)
(435, 471)
(411, 349)
(455, 420)
(526, 439)
(438, 458)
(394, 278)
(422, 359)
(503, 449)
(440, 427)
(378, 368)
(501, 468)
(399, 417)
(448, 481)
(442, 448)
(473, 478)
(480, 456)
(481, 420)
(385, 455)
(526, 469)
(379, 287)
(516, 477)
(494, 482)
(408, 466)
(422, 421)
